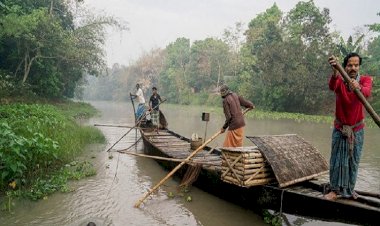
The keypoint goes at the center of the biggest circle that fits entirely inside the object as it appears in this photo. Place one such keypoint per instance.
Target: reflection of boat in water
(288, 186)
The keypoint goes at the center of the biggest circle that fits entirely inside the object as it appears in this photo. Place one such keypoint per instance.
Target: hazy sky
(156, 23)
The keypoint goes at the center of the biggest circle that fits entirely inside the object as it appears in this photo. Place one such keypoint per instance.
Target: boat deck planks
(159, 134)
(176, 147)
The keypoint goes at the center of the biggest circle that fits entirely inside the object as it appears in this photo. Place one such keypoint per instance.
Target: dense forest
(47, 46)
(279, 61)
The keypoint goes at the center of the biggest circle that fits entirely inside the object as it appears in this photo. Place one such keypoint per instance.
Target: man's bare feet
(354, 195)
(331, 196)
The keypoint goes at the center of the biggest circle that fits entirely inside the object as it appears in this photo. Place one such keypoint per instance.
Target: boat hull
(304, 199)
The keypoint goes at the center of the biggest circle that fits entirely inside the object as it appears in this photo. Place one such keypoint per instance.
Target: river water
(108, 198)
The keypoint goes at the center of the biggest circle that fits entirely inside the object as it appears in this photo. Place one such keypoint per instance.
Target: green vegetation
(271, 115)
(47, 46)
(181, 192)
(260, 114)
(37, 141)
(274, 219)
(76, 110)
(279, 62)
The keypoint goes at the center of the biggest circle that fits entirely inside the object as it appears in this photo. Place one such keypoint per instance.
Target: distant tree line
(279, 62)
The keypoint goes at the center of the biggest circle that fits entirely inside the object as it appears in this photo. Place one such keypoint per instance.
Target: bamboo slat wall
(245, 166)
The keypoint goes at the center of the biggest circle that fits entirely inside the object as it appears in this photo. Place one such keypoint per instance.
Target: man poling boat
(351, 90)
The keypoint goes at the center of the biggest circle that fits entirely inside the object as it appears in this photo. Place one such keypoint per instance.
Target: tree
(307, 29)
(31, 33)
(284, 58)
(375, 26)
(209, 63)
(173, 76)
(306, 23)
(263, 31)
(347, 47)
(46, 49)
(372, 64)
(234, 38)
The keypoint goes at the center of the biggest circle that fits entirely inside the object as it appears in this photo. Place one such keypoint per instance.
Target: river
(108, 198)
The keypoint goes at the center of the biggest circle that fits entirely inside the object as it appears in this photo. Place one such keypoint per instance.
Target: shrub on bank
(36, 140)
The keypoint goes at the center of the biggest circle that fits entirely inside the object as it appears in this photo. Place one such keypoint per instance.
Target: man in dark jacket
(234, 117)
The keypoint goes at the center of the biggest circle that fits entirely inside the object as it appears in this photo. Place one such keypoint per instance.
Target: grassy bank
(38, 146)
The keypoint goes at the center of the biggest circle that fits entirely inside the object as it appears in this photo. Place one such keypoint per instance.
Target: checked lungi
(155, 115)
(343, 164)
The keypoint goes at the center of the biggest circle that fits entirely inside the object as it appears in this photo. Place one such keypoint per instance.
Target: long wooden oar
(133, 105)
(167, 159)
(137, 123)
(108, 125)
(138, 203)
(359, 94)
(366, 193)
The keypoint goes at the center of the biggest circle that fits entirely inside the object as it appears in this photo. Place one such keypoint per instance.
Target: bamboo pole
(253, 154)
(126, 149)
(152, 157)
(245, 178)
(255, 174)
(359, 94)
(133, 105)
(211, 150)
(251, 183)
(366, 193)
(368, 201)
(249, 161)
(168, 159)
(135, 126)
(138, 203)
(230, 166)
(247, 166)
(106, 125)
(248, 172)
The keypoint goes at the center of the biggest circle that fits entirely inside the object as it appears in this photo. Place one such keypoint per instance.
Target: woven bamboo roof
(292, 158)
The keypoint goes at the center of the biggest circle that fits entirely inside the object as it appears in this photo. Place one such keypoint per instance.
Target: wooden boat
(304, 198)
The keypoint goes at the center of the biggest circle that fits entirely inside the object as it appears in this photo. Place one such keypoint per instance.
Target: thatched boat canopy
(292, 159)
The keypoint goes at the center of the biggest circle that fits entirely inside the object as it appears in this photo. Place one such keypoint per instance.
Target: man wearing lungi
(154, 102)
(234, 117)
(140, 98)
(348, 132)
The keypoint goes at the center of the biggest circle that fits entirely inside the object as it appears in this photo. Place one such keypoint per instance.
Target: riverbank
(272, 115)
(39, 143)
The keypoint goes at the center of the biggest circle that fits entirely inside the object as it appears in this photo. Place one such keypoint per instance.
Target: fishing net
(191, 175)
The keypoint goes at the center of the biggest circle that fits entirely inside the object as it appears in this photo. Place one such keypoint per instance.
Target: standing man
(140, 98)
(234, 117)
(348, 132)
(154, 102)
